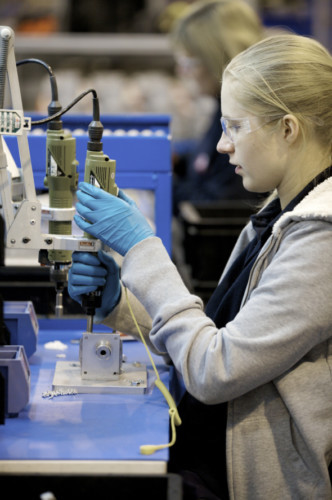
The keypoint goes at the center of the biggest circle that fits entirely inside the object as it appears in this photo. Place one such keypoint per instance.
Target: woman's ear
(290, 128)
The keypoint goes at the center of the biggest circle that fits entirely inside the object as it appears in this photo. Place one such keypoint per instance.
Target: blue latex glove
(88, 272)
(115, 220)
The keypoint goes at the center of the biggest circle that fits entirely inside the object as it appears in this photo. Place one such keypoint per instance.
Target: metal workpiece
(100, 356)
(101, 369)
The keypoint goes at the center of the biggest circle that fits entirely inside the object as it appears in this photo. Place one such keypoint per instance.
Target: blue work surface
(85, 433)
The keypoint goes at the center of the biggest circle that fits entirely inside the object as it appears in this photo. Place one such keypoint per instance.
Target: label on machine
(13, 122)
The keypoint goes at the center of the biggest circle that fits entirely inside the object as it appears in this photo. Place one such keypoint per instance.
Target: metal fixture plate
(132, 380)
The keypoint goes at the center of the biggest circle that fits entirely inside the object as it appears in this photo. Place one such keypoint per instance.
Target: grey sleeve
(287, 314)
(121, 320)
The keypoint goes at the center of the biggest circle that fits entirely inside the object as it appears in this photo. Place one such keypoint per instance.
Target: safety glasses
(232, 127)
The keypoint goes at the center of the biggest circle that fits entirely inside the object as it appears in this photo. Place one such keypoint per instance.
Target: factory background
(121, 48)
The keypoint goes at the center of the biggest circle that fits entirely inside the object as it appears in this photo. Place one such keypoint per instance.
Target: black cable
(67, 108)
(54, 105)
(55, 94)
(37, 61)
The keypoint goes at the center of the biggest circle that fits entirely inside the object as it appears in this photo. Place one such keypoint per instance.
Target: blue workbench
(85, 433)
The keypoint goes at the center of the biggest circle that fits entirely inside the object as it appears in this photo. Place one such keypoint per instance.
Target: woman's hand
(115, 220)
(89, 272)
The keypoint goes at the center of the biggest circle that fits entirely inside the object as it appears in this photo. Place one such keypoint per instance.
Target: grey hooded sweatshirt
(272, 363)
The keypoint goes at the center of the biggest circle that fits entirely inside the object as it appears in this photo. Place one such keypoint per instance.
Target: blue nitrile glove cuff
(115, 220)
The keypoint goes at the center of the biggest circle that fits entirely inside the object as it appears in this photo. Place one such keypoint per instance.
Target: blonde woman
(204, 40)
(257, 363)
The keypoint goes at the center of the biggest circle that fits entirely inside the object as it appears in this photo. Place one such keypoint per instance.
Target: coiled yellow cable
(148, 449)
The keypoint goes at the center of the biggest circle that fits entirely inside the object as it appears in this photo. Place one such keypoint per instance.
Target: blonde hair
(214, 31)
(286, 74)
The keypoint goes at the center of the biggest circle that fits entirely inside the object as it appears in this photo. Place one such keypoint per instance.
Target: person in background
(204, 39)
(257, 362)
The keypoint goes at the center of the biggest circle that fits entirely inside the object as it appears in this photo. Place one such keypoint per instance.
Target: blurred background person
(206, 36)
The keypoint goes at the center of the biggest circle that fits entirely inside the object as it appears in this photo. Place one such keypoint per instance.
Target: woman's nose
(225, 145)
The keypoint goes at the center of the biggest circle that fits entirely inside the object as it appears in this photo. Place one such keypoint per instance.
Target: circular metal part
(103, 350)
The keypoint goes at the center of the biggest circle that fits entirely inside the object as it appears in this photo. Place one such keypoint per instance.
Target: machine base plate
(132, 380)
